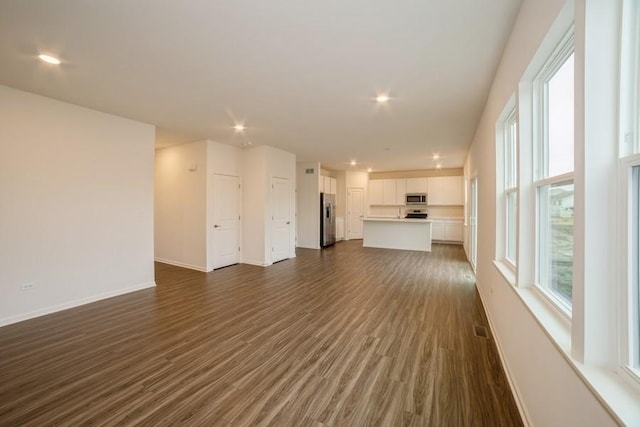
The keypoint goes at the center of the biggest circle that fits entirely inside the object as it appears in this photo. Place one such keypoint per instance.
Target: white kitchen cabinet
(437, 230)
(328, 185)
(453, 230)
(446, 191)
(401, 190)
(388, 191)
(416, 185)
(375, 192)
(447, 230)
(384, 192)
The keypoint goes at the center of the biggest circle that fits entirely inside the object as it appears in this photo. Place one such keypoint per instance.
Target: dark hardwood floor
(346, 336)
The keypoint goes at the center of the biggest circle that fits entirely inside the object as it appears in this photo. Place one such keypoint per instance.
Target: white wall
(261, 164)
(76, 205)
(254, 196)
(357, 180)
(184, 197)
(308, 205)
(181, 205)
(341, 194)
(548, 388)
(224, 159)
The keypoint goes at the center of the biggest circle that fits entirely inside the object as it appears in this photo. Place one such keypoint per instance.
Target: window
(554, 142)
(629, 149)
(507, 173)
(630, 79)
(630, 263)
(511, 187)
(555, 239)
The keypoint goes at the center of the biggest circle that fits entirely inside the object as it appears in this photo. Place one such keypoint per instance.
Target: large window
(629, 149)
(507, 149)
(511, 187)
(575, 199)
(554, 141)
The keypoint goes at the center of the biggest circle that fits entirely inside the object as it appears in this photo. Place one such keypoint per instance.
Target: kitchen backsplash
(446, 211)
(434, 211)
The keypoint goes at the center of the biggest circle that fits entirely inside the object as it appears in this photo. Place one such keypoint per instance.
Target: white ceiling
(301, 74)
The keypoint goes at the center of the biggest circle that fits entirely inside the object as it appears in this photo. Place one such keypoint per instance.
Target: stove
(416, 214)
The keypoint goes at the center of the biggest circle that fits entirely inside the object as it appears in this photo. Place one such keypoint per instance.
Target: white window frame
(511, 188)
(630, 248)
(555, 61)
(629, 149)
(507, 184)
(630, 79)
(507, 169)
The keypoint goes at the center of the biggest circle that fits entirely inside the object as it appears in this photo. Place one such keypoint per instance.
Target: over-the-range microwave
(413, 199)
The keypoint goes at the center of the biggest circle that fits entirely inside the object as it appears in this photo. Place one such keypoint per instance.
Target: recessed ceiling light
(353, 163)
(239, 127)
(438, 166)
(436, 156)
(369, 170)
(49, 59)
(382, 98)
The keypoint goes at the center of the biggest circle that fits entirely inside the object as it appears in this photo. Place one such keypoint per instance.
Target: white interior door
(226, 221)
(355, 212)
(281, 219)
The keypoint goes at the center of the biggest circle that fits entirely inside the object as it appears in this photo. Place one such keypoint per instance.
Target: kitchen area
(410, 212)
(395, 210)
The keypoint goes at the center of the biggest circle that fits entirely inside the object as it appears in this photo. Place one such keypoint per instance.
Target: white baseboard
(308, 247)
(259, 264)
(74, 303)
(519, 403)
(181, 264)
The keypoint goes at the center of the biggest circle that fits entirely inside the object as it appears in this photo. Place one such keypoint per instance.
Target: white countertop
(383, 219)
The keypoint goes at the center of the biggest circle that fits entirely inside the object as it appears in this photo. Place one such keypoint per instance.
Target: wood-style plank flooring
(346, 336)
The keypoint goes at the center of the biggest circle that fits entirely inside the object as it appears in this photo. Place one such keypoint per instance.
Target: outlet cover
(28, 286)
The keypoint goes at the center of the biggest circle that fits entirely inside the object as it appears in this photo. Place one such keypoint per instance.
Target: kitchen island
(397, 233)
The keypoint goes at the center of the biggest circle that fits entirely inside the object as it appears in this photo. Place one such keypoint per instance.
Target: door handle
(216, 226)
(288, 222)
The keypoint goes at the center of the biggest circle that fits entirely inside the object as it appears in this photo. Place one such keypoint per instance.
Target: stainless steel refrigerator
(327, 219)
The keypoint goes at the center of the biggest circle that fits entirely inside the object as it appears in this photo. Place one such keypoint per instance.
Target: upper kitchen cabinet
(416, 185)
(388, 191)
(328, 185)
(384, 192)
(401, 190)
(375, 192)
(446, 191)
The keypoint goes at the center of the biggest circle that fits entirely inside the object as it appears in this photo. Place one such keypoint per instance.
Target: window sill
(619, 397)
(506, 270)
